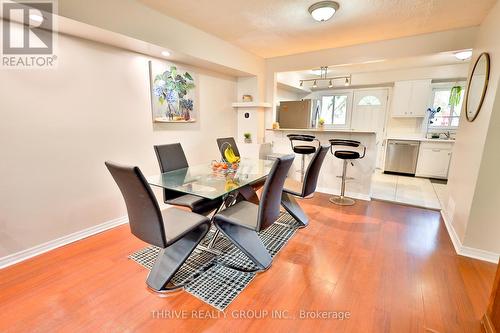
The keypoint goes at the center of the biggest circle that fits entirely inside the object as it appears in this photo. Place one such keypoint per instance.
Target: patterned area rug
(209, 277)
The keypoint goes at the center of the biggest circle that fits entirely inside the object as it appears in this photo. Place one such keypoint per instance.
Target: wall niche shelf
(251, 105)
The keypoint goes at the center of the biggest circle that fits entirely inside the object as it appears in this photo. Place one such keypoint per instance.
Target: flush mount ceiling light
(323, 10)
(165, 53)
(463, 55)
(36, 18)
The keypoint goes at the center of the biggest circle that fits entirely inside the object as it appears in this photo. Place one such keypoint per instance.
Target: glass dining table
(211, 183)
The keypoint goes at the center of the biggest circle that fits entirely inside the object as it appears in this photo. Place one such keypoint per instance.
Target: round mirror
(478, 83)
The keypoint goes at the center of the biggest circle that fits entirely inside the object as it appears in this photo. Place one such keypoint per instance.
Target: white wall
(474, 179)
(59, 126)
(287, 95)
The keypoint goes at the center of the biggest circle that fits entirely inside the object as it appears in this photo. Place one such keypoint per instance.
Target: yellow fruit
(229, 155)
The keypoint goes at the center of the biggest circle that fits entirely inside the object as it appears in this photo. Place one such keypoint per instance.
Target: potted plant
(321, 123)
(248, 137)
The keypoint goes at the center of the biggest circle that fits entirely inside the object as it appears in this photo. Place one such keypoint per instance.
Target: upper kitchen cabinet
(411, 98)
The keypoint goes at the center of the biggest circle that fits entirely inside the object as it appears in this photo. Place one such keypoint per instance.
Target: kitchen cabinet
(434, 159)
(411, 98)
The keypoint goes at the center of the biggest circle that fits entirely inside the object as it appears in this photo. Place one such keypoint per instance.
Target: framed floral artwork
(173, 93)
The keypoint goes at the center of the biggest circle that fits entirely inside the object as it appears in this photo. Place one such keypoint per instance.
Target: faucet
(447, 134)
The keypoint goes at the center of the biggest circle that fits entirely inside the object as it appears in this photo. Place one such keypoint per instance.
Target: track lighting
(315, 85)
(330, 85)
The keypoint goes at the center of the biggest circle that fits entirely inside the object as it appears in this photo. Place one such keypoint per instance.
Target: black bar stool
(347, 155)
(303, 149)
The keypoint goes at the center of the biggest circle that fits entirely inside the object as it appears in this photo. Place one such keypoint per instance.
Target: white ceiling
(440, 59)
(281, 27)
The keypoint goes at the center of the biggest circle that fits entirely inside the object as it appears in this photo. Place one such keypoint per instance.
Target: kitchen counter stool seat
(303, 149)
(347, 155)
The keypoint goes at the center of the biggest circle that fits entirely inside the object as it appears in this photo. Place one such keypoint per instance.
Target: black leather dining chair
(176, 232)
(171, 157)
(308, 187)
(242, 221)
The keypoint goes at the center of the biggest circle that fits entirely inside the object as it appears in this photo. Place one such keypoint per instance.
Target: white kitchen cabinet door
(433, 162)
(401, 99)
(411, 98)
(420, 98)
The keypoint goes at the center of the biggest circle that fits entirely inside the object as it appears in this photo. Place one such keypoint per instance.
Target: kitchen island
(359, 176)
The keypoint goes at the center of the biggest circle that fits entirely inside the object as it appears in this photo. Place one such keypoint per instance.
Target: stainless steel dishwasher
(401, 156)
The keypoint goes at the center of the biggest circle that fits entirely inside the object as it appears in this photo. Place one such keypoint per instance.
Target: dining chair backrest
(270, 200)
(144, 214)
(171, 157)
(312, 172)
(223, 143)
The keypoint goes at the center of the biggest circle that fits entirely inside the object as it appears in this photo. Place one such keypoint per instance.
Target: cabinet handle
(436, 150)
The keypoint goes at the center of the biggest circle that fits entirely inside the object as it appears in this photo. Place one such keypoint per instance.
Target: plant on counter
(248, 137)
(321, 121)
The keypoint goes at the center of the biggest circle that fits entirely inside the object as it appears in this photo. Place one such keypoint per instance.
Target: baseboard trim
(467, 251)
(17, 257)
(353, 195)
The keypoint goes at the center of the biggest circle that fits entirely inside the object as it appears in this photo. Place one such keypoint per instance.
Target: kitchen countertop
(420, 139)
(339, 130)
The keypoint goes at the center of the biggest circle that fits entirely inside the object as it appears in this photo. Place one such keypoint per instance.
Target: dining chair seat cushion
(178, 222)
(243, 213)
(195, 203)
(304, 150)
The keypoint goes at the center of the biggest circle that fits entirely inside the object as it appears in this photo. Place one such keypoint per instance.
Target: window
(449, 116)
(334, 110)
(369, 101)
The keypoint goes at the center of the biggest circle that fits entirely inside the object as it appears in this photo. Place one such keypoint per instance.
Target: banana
(230, 156)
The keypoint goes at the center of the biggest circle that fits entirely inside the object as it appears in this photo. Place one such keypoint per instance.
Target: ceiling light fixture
(36, 18)
(323, 10)
(463, 55)
(323, 73)
(165, 53)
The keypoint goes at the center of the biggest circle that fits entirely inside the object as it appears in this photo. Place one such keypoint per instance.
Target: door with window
(369, 114)
(336, 109)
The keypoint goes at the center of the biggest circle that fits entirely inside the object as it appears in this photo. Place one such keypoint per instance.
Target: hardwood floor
(393, 268)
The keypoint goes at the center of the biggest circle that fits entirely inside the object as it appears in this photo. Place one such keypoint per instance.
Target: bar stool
(303, 149)
(347, 155)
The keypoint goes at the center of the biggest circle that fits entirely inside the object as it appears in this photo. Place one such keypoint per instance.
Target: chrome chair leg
(341, 199)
